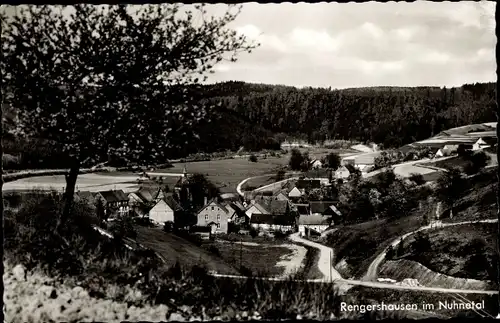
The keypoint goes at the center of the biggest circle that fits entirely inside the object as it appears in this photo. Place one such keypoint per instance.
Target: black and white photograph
(249, 161)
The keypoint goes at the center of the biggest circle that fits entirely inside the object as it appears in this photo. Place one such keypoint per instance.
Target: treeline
(393, 116)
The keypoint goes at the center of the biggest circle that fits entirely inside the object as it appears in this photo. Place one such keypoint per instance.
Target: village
(306, 203)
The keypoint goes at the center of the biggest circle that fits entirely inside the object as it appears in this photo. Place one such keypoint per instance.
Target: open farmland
(460, 162)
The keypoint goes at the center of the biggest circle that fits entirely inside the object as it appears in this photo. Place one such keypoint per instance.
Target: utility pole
(331, 264)
(241, 252)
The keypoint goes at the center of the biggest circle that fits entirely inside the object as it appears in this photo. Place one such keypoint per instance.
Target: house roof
(320, 206)
(227, 196)
(303, 209)
(172, 203)
(85, 195)
(314, 220)
(342, 169)
(214, 201)
(277, 206)
(147, 194)
(308, 183)
(314, 161)
(262, 219)
(114, 196)
(259, 207)
(318, 173)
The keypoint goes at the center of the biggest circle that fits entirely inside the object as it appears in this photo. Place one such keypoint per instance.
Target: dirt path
(293, 261)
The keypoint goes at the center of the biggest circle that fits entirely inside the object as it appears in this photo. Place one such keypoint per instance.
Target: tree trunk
(498, 209)
(69, 193)
(1, 164)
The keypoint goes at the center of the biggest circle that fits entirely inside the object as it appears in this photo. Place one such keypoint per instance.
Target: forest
(261, 116)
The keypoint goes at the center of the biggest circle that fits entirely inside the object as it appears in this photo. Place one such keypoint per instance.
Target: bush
(214, 250)
(168, 226)
(253, 158)
(123, 227)
(417, 178)
(143, 221)
(253, 232)
(391, 253)
(233, 227)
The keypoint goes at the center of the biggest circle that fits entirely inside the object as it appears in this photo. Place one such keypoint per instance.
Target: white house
(315, 164)
(317, 223)
(480, 144)
(161, 213)
(342, 173)
(255, 208)
(281, 197)
(295, 193)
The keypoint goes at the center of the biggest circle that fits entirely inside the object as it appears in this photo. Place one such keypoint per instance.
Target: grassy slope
(359, 244)
(452, 251)
(176, 249)
(260, 259)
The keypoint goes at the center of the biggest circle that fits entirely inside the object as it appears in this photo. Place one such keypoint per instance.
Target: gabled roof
(259, 207)
(214, 202)
(342, 169)
(172, 203)
(277, 206)
(262, 219)
(85, 195)
(295, 191)
(320, 206)
(314, 220)
(308, 184)
(114, 196)
(303, 209)
(147, 194)
(228, 196)
(237, 206)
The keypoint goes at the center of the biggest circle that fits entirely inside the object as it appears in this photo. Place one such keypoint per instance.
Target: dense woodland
(260, 116)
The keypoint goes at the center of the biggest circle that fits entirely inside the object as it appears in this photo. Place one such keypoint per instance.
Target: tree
(450, 186)
(105, 81)
(332, 160)
(280, 175)
(296, 160)
(476, 162)
(253, 158)
(100, 211)
(200, 187)
(417, 178)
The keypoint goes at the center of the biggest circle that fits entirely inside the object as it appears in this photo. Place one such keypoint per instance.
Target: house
(342, 173)
(316, 223)
(281, 196)
(315, 164)
(161, 213)
(295, 193)
(215, 215)
(451, 148)
(482, 143)
(302, 209)
(115, 202)
(361, 161)
(85, 196)
(255, 208)
(268, 222)
(239, 216)
(146, 196)
(447, 150)
(230, 197)
(324, 208)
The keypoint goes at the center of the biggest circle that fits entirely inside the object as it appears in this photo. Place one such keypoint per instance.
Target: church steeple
(184, 171)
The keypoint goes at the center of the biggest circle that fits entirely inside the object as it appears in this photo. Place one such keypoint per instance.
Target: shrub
(253, 158)
(233, 227)
(417, 178)
(391, 253)
(123, 227)
(253, 232)
(213, 249)
(168, 226)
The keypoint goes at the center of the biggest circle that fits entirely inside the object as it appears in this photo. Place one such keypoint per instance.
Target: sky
(343, 45)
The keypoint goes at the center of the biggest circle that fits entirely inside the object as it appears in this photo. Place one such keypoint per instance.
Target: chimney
(205, 201)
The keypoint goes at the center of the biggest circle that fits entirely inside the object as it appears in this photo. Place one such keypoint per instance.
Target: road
(372, 272)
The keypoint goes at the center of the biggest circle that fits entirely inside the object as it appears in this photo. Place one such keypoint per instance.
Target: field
(176, 249)
(465, 251)
(359, 244)
(263, 259)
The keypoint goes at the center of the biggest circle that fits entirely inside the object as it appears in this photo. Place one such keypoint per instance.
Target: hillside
(261, 116)
(175, 249)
